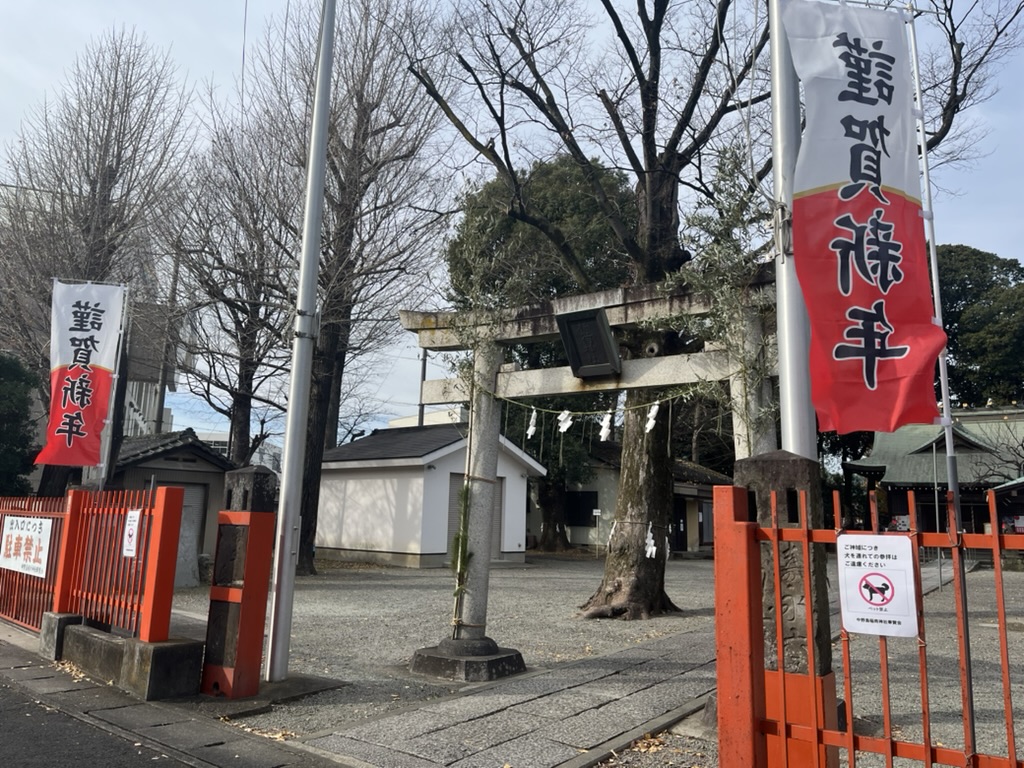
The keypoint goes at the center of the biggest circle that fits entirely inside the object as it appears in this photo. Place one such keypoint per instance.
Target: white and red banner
(84, 336)
(858, 234)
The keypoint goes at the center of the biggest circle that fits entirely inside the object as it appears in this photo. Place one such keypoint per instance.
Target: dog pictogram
(872, 591)
(876, 585)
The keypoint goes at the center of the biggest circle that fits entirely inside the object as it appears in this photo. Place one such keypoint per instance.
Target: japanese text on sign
(876, 585)
(25, 544)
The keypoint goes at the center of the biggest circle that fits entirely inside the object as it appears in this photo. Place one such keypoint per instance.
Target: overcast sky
(38, 41)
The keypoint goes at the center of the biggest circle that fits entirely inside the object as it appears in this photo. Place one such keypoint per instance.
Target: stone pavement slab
(30, 672)
(250, 753)
(135, 717)
(57, 683)
(533, 751)
(370, 754)
(546, 718)
(191, 734)
(92, 699)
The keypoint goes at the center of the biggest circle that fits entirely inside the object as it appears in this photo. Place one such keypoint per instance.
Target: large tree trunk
(633, 586)
(551, 499)
(54, 480)
(337, 380)
(320, 395)
(241, 413)
(116, 416)
(334, 337)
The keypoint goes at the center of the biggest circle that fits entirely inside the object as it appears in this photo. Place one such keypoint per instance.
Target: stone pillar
(484, 430)
(250, 489)
(810, 695)
(753, 426)
(470, 655)
(786, 474)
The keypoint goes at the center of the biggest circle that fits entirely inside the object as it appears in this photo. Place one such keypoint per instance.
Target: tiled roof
(135, 450)
(907, 459)
(398, 443)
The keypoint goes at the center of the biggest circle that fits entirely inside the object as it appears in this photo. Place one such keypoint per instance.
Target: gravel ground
(361, 624)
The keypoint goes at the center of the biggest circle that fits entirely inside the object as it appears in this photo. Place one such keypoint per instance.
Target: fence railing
(113, 559)
(29, 560)
(916, 697)
(118, 556)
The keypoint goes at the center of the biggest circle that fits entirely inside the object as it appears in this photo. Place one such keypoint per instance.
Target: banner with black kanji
(858, 234)
(84, 337)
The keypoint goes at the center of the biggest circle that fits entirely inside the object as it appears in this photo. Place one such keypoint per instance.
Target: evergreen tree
(16, 441)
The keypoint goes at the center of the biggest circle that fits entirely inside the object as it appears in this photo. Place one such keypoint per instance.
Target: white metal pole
(952, 477)
(107, 447)
(285, 555)
(799, 431)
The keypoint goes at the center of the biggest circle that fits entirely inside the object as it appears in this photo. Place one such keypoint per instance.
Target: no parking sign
(876, 585)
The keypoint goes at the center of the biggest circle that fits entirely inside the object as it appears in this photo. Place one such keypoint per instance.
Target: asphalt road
(32, 734)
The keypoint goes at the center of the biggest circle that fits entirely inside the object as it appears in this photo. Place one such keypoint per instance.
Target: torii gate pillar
(469, 654)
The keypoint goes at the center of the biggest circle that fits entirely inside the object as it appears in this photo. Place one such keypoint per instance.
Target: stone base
(97, 653)
(51, 634)
(473, 660)
(165, 670)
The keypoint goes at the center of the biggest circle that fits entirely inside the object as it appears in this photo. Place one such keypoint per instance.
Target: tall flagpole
(799, 431)
(286, 552)
(952, 475)
(112, 417)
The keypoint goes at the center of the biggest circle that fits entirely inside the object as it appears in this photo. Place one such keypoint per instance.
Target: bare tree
(380, 223)
(235, 258)
(84, 184)
(661, 89)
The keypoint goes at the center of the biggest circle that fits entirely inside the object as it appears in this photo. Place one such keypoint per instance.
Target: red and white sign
(84, 336)
(25, 544)
(858, 236)
(130, 539)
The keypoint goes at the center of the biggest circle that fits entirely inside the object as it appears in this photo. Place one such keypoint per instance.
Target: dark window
(579, 508)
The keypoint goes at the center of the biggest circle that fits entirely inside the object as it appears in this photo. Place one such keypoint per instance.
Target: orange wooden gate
(940, 698)
(25, 596)
(83, 566)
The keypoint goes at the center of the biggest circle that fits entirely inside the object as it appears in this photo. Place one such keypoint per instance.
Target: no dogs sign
(876, 585)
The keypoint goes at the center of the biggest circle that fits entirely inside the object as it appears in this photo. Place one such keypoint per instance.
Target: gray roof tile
(135, 450)
(398, 443)
(907, 459)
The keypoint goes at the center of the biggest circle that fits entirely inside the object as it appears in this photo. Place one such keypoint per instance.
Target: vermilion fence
(924, 700)
(113, 562)
(25, 596)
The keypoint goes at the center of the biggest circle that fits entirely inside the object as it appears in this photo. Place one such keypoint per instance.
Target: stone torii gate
(470, 654)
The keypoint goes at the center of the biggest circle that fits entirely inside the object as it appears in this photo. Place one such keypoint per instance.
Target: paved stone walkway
(573, 715)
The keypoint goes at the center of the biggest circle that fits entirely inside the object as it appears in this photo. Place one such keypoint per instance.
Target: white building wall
(371, 509)
(435, 500)
(404, 510)
(513, 534)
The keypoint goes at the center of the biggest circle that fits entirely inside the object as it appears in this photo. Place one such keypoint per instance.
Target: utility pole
(286, 552)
